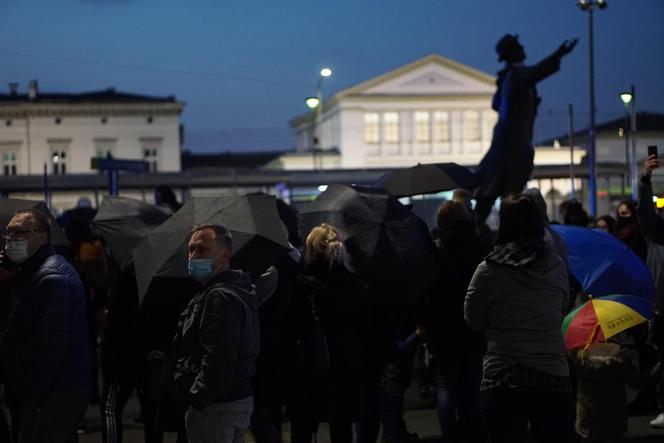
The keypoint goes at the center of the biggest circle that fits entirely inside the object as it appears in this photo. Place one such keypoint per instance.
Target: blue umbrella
(604, 265)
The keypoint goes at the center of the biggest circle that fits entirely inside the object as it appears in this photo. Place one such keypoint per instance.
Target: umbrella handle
(591, 340)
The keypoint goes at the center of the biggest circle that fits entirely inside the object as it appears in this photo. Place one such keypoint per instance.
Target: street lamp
(312, 102)
(317, 103)
(629, 100)
(589, 6)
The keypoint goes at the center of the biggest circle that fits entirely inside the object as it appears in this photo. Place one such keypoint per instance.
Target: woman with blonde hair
(329, 296)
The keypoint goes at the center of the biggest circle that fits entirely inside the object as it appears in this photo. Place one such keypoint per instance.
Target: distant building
(431, 110)
(612, 138)
(64, 131)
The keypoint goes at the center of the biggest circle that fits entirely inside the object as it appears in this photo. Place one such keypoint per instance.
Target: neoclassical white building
(431, 110)
(65, 131)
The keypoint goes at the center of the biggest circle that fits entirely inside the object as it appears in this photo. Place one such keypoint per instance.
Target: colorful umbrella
(601, 318)
(604, 265)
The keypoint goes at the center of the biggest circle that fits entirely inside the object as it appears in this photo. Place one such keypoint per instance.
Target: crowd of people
(225, 351)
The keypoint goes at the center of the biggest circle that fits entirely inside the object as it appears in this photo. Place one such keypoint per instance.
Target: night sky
(244, 67)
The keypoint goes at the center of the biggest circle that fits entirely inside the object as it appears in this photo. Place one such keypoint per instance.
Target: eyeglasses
(16, 234)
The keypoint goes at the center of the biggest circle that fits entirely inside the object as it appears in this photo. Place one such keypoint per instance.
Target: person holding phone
(653, 227)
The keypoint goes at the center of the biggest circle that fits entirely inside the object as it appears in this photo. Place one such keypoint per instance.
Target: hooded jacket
(217, 341)
(518, 301)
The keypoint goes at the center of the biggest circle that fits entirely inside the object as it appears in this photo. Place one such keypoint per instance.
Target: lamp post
(589, 6)
(629, 100)
(317, 104)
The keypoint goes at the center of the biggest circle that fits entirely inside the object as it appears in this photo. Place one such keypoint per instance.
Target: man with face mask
(44, 345)
(216, 344)
(507, 165)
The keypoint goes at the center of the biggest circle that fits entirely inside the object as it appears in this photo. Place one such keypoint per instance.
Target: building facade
(431, 110)
(65, 131)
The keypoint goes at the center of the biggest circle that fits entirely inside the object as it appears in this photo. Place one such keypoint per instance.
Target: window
(391, 127)
(151, 147)
(105, 147)
(441, 126)
(371, 128)
(9, 163)
(422, 126)
(472, 126)
(58, 155)
(59, 162)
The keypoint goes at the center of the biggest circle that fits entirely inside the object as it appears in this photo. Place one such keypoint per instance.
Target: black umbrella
(123, 222)
(426, 179)
(10, 206)
(259, 237)
(391, 247)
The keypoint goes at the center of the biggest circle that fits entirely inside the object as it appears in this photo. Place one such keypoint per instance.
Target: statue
(507, 165)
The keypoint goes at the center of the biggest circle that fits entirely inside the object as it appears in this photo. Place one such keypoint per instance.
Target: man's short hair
(42, 221)
(221, 234)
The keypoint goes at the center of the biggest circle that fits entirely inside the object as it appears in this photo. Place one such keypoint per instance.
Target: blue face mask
(200, 268)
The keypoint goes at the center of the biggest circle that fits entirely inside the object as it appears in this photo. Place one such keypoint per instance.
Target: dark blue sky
(244, 67)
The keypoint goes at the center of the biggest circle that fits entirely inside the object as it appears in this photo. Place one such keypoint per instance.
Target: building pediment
(434, 75)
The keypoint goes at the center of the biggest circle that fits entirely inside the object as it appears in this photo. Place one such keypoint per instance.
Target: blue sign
(113, 164)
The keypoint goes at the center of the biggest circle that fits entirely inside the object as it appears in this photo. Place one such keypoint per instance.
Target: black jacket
(217, 341)
(45, 345)
(460, 251)
(338, 297)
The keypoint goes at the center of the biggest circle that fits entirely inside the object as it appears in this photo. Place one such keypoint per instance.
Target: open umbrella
(426, 179)
(10, 206)
(259, 237)
(123, 222)
(601, 318)
(604, 265)
(390, 246)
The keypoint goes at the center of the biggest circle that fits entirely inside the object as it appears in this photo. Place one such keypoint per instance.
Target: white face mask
(17, 250)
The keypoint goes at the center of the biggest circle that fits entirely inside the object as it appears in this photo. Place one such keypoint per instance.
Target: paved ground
(421, 420)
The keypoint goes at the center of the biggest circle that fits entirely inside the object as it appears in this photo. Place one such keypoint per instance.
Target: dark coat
(507, 165)
(45, 344)
(338, 295)
(460, 251)
(216, 345)
(123, 343)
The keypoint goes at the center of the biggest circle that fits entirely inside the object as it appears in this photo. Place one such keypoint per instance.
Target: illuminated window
(9, 163)
(441, 126)
(472, 125)
(371, 127)
(151, 147)
(422, 126)
(391, 127)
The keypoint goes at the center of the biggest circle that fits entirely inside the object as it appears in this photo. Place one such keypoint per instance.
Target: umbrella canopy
(601, 318)
(391, 247)
(427, 178)
(10, 206)
(259, 237)
(604, 265)
(123, 222)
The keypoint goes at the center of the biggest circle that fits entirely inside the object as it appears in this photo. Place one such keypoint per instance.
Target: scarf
(522, 252)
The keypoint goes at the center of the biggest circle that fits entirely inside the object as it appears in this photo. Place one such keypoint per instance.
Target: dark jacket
(217, 342)
(338, 296)
(123, 342)
(460, 251)
(46, 341)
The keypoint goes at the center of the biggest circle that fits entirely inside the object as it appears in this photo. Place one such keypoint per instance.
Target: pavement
(420, 417)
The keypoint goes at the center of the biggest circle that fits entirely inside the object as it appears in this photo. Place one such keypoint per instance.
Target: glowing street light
(325, 72)
(626, 98)
(312, 102)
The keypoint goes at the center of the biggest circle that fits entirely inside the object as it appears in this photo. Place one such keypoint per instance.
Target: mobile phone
(652, 150)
